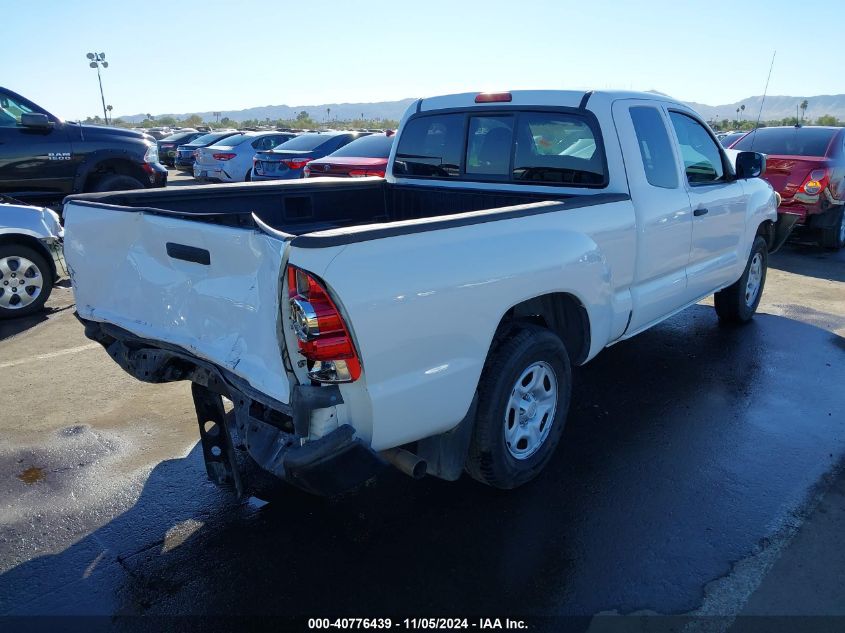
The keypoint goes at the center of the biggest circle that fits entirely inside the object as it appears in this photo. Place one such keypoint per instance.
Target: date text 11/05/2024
(410, 624)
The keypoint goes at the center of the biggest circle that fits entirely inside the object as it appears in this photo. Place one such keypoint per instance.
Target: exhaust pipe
(406, 461)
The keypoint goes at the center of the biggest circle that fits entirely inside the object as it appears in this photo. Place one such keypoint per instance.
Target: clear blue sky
(254, 53)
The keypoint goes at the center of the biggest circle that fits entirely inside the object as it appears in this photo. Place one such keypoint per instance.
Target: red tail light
(359, 173)
(816, 182)
(297, 163)
(493, 97)
(223, 156)
(322, 335)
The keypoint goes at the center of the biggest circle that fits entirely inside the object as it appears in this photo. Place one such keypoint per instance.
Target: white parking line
(61, 352)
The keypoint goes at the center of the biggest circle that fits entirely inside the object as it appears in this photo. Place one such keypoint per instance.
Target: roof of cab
(566, 98)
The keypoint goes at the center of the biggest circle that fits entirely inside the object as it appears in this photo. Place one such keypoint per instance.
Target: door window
(702, 157)
(11, 110)
(266, 142)
(655, 147)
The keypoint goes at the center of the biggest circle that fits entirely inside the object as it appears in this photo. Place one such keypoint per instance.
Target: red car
(366, 156)
(806, 166)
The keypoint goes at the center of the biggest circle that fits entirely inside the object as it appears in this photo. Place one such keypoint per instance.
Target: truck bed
(307, 206)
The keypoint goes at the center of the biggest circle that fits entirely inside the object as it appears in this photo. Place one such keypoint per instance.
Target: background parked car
(365, 156)
(185, 153)
(167, 146)
(230, 159)
(288, 161)
(30, 257)
(43, 159)
(159, 133)
(729, 138)
(806, 166)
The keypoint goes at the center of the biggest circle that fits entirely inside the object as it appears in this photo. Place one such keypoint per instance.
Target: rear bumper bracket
(217, 448)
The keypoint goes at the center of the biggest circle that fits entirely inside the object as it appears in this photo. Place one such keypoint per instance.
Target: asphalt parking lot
(699, 473)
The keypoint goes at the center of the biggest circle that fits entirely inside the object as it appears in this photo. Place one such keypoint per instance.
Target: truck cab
(43, 159)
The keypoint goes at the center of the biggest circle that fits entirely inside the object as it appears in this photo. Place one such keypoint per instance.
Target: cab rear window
(431, 147)
(519, 147)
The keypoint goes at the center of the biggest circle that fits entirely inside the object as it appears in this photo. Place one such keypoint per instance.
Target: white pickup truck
(429, 319)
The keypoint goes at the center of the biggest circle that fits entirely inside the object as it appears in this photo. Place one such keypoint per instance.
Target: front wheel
(523, 400)
(26, 281)
(738, 302)
(117, 182)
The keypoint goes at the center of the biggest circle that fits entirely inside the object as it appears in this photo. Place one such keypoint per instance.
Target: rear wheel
(834, 237)
(738, 302)
(524, 395)
(26, 281)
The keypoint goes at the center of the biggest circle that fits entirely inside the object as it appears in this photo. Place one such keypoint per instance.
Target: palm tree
(328, 113)
(803, 107)
(742, 107)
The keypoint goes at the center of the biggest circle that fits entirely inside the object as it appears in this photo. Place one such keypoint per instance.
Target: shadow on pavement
(12, 327)
(810, 260)
(683, 451)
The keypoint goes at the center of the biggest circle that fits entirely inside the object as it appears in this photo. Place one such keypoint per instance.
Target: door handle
(700, 211)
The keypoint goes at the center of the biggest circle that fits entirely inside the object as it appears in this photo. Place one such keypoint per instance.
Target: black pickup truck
(43, 159)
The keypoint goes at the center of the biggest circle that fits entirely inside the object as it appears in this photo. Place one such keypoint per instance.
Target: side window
(489, 144)
(334, 143)
(431, 146)
(265, 143)
(701, 155)
(557, 148)
(655, 147)
(11, 111)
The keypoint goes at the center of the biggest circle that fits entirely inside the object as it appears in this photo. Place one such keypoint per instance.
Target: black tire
(490, 460)
(834, 237)
(12, 252)
(117, 182)
(732, 304)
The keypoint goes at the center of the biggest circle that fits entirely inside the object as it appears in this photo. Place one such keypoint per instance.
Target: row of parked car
(241, 156)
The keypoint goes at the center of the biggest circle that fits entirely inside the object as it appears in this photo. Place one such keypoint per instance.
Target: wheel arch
(101, 163)
(33, 243)
(766, 230)
(561, 312)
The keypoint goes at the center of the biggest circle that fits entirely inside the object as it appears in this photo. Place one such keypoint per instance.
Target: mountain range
(775, 107)
(341, 111)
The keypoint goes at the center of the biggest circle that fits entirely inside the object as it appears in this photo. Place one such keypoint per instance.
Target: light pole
(95, 61)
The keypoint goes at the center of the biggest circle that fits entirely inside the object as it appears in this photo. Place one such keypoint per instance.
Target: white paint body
(423, 307)
(37, 222)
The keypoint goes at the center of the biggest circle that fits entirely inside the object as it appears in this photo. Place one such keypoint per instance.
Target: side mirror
(750, 165)
(35, 120)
